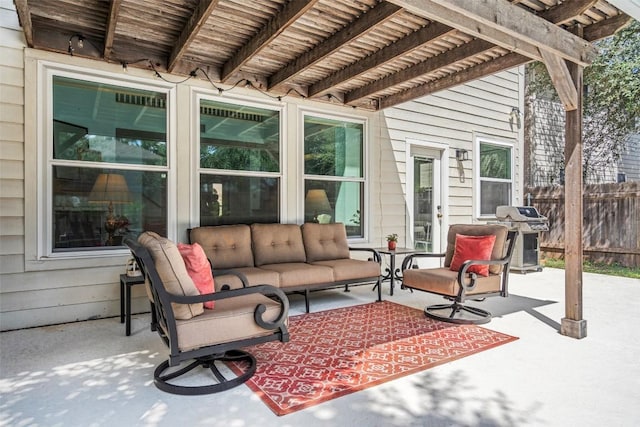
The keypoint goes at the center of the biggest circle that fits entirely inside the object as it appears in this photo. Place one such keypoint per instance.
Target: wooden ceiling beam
(506, 25)
(606, 28)
(289, 14)
(444, 59)
(365, 23)
(505, 62)
(567, 11)
(203, 10)
(561, 78)
(112, 20)
(24, 16)
(403, 46)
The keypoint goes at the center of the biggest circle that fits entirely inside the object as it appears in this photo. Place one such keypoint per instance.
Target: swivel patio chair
(204, 338)
(476, 266)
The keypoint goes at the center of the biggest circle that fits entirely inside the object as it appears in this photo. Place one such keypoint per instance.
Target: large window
(495, 176)
(334, 172)
(240, 171)
(108, 163)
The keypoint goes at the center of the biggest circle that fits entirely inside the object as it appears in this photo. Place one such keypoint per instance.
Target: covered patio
(366, 54)
(89, 373)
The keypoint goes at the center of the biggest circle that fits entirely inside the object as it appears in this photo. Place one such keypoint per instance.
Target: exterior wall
(35, 291)
(544, 146)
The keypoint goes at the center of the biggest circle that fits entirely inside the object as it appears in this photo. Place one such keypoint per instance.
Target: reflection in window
(495, 177)
(97, 129)
(239, 164)
(334, 173)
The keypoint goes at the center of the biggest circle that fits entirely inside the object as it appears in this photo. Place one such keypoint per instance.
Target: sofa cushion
(324, 242)
(172, 272)
(443, 281)
(226, 246)
(499, 247)
(299, 273)
(351, 269)
(254, 275)
(199, 269)
(276, 243)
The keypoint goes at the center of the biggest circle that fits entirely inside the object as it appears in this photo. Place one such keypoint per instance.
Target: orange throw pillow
(472, 247)
(199, 269)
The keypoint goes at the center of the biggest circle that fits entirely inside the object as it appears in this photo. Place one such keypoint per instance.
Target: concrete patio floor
(91, 374)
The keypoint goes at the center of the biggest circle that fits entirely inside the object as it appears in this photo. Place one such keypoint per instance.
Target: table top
(398, 251)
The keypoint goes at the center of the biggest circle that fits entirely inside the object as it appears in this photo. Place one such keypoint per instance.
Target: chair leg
(458, 313)
(162, 375)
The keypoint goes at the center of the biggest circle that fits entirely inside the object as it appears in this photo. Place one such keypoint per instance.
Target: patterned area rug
(337, 352)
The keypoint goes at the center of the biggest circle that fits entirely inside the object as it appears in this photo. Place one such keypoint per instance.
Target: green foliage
(612, 89)
(589, 267)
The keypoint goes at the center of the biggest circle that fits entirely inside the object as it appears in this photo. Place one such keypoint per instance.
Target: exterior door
(425, 210)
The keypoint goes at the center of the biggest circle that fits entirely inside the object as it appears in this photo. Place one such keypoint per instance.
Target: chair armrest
(376, 255)
(473, 276)
(409, 259)
(266, 290)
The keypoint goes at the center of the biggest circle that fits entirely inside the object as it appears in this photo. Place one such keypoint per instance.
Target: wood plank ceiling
(368, 54)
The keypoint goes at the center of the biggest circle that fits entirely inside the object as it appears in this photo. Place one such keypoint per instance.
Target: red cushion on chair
(199, 269)
(472, 247)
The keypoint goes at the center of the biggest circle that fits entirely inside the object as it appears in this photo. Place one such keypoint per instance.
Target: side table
(126, 282)
(393, 273)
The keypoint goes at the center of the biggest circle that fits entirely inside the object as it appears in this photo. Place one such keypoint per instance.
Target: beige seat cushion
(231, 320)
(276, 243)
(351, 269)
(254, 275)
(499, 246)
(299, 273)
(325, 241)
(172, 272)
(444, 281)
(226, 246)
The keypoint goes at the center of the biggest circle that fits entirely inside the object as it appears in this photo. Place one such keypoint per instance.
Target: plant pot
(391, 245)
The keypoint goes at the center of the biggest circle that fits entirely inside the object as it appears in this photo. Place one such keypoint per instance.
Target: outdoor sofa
(294, 258)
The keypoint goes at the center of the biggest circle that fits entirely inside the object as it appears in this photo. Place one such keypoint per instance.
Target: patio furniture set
(256, 266)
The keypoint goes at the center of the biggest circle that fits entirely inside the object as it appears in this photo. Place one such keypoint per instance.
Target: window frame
(363, 180)
(479, 179)
(45, 158)
(199, 94)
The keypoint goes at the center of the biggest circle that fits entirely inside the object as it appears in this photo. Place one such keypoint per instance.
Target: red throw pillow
(199, 269)
(472, 247)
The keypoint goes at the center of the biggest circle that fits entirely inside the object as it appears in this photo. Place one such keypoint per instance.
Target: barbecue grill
(528, 222)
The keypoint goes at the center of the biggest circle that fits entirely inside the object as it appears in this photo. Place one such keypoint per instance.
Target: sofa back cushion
(324, 242)
(277, 243)
(173, 273)
(499, 247)
(226, 246)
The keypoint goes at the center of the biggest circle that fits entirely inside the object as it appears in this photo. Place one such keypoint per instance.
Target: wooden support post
(573, 325)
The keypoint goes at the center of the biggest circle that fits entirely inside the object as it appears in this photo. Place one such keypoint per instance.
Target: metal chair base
(458, 313)
(162, 378)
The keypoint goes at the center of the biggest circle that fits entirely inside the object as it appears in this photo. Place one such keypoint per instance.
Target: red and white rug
(337, 352)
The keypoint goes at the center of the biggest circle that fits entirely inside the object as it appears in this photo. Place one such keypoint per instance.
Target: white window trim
(476, 173)
(45, 72)
(364, 121)
(198, 94)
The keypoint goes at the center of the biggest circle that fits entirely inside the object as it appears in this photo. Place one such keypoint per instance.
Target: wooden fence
(611, 221)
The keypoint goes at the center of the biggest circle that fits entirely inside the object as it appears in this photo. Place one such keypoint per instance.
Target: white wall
(37, 291)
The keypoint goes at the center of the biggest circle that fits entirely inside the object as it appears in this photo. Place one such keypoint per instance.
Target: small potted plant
(392, 241)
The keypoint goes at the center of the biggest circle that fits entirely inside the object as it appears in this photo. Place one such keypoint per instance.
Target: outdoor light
(462, 155)
(514, 117)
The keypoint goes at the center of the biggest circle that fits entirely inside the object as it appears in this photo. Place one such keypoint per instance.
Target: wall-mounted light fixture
(462, 155)
(514, 117)
(79, 44)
